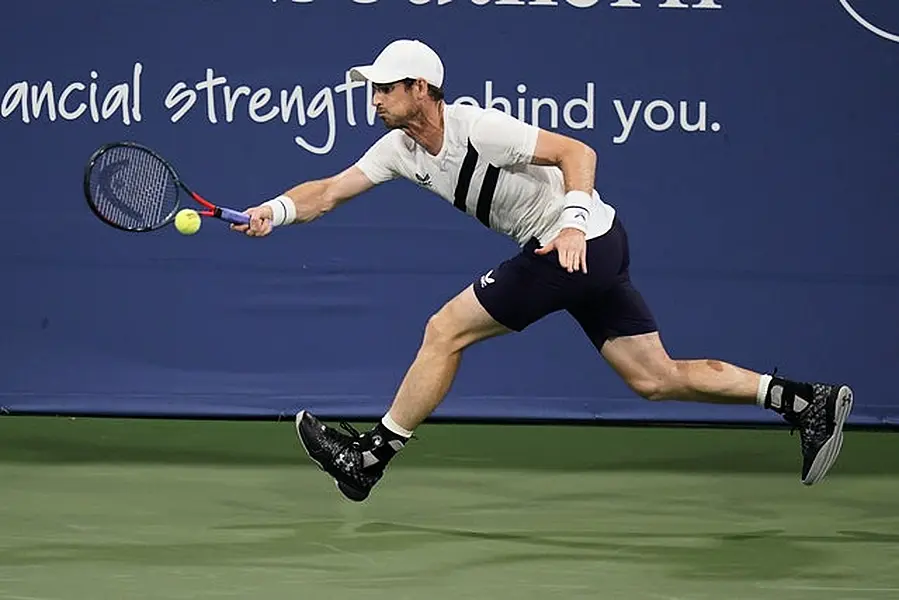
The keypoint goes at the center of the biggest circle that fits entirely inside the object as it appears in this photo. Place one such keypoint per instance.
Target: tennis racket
(131, 187)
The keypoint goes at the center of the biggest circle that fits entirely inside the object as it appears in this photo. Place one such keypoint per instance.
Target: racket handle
(233, 216)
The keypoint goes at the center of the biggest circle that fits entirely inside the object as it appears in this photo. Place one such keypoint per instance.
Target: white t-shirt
(484, 168)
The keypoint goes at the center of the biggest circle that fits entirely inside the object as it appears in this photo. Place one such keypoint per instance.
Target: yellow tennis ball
(187, 221)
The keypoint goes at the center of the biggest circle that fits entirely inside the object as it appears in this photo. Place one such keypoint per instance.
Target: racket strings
(133, 188)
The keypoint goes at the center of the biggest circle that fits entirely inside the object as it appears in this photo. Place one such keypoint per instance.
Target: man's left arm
(576, 159)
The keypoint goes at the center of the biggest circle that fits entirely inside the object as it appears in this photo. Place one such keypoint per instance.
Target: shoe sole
(347, 491)
(829, 452)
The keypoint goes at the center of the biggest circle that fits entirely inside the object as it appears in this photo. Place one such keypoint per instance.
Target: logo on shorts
(424, 180)
(487, 278)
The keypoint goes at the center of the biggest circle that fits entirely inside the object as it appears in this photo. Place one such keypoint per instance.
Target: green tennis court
(141, 509)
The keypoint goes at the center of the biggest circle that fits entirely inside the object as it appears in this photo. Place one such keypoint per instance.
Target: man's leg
(619, 323)
(357, 461)
(644, 364)
(818, 410)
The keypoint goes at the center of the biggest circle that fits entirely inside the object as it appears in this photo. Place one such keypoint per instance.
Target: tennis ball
(187, 221)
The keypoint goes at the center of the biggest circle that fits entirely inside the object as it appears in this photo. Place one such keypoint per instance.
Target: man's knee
(649, 388)
(448, 329)
(441, 331)
(660, 383)
(460, 323)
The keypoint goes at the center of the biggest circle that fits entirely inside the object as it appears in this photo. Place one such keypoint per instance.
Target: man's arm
(576, 159)
(305, 202)
(312, 199)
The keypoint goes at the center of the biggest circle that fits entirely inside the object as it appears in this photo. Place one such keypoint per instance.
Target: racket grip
(233, 216)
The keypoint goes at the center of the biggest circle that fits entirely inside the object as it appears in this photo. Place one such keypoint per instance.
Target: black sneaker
(340, 455)
(820, 426)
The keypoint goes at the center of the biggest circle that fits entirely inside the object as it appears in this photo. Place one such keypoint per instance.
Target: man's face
(396, 103)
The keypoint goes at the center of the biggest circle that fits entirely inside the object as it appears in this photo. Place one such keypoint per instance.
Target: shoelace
(350, 429)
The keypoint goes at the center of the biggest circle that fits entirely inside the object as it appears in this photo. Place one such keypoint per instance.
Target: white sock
(388, 422)
(764, 382)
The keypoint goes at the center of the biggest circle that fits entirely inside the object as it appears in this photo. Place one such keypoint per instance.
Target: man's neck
(427, 130)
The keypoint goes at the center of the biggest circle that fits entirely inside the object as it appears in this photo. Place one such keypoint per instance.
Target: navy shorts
(529, 286)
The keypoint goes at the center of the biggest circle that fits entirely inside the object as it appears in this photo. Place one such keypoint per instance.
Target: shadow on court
(753, 555)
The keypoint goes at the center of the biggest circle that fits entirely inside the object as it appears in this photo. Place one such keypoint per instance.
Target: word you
(661, 115)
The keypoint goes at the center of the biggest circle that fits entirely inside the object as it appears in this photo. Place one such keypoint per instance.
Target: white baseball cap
(402, 59)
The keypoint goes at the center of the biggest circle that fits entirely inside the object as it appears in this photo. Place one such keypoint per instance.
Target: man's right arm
(305, 202)
(312, 199)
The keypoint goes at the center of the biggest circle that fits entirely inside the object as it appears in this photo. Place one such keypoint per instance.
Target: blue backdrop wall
(751, 148)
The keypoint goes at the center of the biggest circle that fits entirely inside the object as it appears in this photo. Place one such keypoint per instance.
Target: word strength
(313, 114)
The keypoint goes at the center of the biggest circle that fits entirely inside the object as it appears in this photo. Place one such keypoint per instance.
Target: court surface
(144, 509)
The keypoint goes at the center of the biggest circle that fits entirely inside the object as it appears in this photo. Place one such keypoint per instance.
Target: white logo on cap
(867, 24)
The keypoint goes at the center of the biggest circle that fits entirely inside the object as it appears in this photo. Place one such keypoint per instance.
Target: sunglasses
(386, 88)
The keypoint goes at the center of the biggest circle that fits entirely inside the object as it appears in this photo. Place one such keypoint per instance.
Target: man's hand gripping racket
(260, 223)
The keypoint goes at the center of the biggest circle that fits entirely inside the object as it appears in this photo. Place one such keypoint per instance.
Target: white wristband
(284, 211)
(576, 211)
(578, 199)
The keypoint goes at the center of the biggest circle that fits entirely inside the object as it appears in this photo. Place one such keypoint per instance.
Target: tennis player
(537, 187)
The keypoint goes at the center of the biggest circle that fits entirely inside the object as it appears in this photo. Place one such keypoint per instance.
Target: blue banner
(750, 148)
